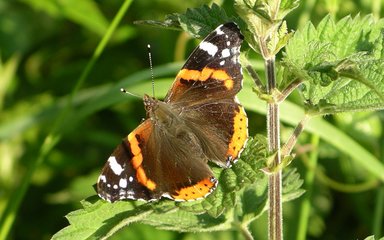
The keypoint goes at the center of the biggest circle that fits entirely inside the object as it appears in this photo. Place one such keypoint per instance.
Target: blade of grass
(53, 138)
(306, 201)
(379, 203)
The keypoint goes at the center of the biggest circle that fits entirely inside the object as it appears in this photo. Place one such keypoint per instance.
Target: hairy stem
(245, 232)
(254, 76)
(288, 90)
(288, 146)
(274, 181)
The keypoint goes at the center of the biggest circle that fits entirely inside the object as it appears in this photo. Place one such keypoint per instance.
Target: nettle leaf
(198, 22)
(99, 219)
(286, 6)
(171, 22)
(264, 23)
(254, 197)
(291, 184)
(340, 63)
(240, 196)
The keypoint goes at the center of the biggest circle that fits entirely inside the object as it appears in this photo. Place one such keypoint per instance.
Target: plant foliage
(340, 64)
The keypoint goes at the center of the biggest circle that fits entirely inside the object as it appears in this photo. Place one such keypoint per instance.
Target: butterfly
(200, 120)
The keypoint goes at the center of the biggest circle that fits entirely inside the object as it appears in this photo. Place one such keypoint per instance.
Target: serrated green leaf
(291, 184)
(199, 22)
(100, 219)
(263, 19)
(373, 238)
(341, 64)
(286, 6)
(183, 221)
(254, 199)
(171, 22)
(96, 216)
(370, 238)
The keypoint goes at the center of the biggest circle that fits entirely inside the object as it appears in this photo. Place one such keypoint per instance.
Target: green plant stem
(54, 137)
(343, 187)
(275, 217)
(288, 146)
(379, 203)
(378, 213)
(255, 77)
(245, 232)
(288, 90)
(309, 180)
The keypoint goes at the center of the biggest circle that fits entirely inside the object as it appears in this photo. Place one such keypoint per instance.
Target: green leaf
(171, 22)
(373, 238)
(100, 219)
(198, 22)
(286, 6)
(265, 24)
(89, 222)
(340, 63)
(291, 184)
(242, 190)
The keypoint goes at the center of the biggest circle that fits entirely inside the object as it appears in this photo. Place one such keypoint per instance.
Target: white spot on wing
(225, 53)
(210, 48)
(222, 63)
(130, 179)
(219, 31)
(123, 183)
(228, 43)
(102, 178)
(116, 168)
(115, 186)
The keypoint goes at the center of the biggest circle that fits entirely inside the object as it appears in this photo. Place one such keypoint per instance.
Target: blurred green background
(44, 48)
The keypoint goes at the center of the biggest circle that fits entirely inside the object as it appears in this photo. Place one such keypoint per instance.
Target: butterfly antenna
(129, 93)
(151, 67)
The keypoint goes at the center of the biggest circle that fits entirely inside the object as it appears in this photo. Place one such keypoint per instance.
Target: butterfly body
(200, 120)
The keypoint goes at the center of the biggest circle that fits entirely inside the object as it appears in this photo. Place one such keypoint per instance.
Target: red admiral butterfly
(200, 120)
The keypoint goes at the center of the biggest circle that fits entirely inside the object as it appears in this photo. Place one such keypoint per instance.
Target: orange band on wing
(142, 178)
(205, 74)
(199, 190)
(141, 132)
(189, 74)
(240, 134)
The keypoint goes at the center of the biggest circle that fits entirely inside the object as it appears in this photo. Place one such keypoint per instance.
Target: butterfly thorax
(164, 116)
